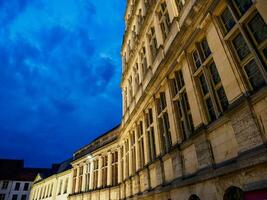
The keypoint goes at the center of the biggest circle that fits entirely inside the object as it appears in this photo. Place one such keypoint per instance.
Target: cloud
(60, 75)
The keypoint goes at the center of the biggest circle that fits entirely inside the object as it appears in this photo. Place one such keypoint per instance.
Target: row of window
(92, 171)
(246, 37)
(164, 22)
(14, 197)
(17, 186)
(134, 80)
(248, 42)
(47, 190)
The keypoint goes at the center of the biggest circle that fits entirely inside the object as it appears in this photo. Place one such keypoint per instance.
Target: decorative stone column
(109, 176)
(91, 183)
(137, 150)
(83, 177)
(119, 166)
(77, 180)
(156, 128)
(130, 155)
(100, 163)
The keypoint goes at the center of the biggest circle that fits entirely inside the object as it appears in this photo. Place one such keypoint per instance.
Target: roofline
(104, 134)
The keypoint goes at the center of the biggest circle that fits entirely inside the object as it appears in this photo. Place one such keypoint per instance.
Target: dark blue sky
(60, 71)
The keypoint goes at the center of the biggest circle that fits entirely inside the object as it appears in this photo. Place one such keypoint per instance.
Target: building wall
(194, 105)
(11, 193)
(55, 187)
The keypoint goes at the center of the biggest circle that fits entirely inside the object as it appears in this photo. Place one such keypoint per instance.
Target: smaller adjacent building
(16, 180)
(54, 184)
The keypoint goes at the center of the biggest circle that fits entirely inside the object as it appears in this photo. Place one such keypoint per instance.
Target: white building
(54, 185)
(14, 190)
(15, 180)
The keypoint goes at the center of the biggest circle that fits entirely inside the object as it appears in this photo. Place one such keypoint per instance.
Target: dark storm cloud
(60, 73)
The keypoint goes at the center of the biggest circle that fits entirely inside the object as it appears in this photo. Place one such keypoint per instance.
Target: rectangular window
(258, 28)
(5, 185)
(143, 61)
(164, 19)
(254, 76)
(258, 31)
(196, 59)
(205, 48)
(254, 35)
(164, 126)
(242, 6)
(150, 134)
(2, 196)
(241, 47)
(114, 168)
(181, 104)
(180, 4)
(104, 170)
(209, 82)
(201, 53)
(26, 186)
(23, 197)
(17, 186)
(251, 69)
(227, 20)
(15, 197)
(95, 174)
(153, 42)
(87, 176)
(215, 97)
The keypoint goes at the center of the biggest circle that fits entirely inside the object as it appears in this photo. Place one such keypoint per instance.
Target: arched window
(194, 197)
(233, 193)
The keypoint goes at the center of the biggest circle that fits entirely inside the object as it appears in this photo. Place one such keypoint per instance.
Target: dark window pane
(254, 75)
(23, 197)
(210, 108)
(5, 185)
(240, 46)
(243, 5)
(214, 74)
(203, 84)
(175, 88)
(222, 98)
(150, 116)
(258, 28)
(227, 19)
(196, 58)
(179, 79)
(162, 101)
(26, 186)
(17, 186)
(205, 48)
(15, 197)
(191, 124)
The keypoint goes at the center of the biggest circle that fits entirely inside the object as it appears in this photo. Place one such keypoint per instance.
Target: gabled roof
(56, 169)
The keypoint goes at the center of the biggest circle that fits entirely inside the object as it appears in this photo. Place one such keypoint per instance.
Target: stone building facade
(194, 106)
(54, 184)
